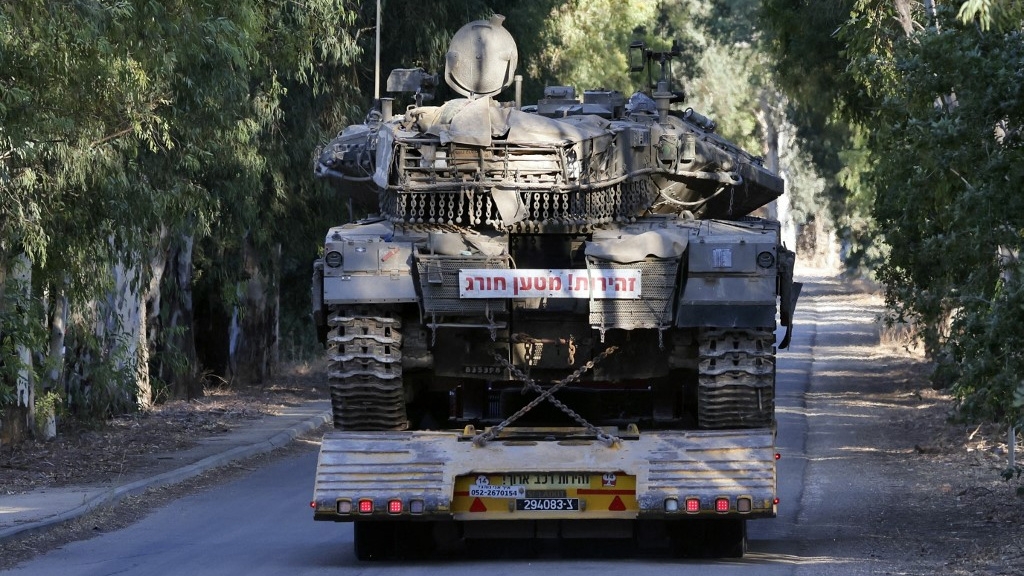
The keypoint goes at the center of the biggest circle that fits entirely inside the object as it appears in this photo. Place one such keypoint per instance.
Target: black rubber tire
(374, 541)
(714, 538)
(415, 540)
(687, 539)
(727, 538)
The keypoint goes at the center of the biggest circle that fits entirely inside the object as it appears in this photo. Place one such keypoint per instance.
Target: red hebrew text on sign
(503, 283)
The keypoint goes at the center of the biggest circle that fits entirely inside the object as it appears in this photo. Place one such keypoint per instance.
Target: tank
(600, 250)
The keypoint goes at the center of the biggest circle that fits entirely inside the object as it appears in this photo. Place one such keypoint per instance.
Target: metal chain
(607, 439)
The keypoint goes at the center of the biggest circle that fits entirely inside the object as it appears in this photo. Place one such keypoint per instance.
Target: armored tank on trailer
(600, 251)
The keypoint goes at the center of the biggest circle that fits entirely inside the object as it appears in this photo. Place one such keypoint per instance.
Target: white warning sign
(536, 283)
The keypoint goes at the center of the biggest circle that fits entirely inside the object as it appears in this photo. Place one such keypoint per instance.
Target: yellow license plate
(545, 494)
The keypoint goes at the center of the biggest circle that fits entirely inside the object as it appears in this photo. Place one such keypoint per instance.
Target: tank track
(736, 379)
(365, 371)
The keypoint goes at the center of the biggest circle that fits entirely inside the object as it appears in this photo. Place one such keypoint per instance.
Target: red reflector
(776, 501)
(722, 505)
(313, 504)
(477, 506)
(777, 455)
(692, 505)
(394, 507)
(365, 506)
(617, 505)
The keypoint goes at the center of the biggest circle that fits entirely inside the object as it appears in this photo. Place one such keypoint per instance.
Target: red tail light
(365, 506)
(692, 505)
(722, 505)
(394, 506)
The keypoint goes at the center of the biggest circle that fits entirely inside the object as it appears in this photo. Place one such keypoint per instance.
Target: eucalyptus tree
(74, 101)
(949, 157)
(931, 93)
(998, 14)
(142, 143)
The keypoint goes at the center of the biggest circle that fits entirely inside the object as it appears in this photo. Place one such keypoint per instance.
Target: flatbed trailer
(530, 482)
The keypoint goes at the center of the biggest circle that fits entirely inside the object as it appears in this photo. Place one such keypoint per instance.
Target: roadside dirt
(953, 512)
(134, 444)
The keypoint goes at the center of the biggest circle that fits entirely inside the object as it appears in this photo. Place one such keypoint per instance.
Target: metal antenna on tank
(376, 64)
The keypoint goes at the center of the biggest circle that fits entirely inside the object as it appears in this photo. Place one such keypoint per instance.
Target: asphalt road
(261, 524)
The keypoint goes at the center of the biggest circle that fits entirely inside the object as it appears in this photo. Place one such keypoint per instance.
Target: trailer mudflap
(434, 475)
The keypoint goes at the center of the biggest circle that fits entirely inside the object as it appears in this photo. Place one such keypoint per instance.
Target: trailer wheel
(687, 538)
(716, 538)
(415, 540)
(374, 540)
(727, 538)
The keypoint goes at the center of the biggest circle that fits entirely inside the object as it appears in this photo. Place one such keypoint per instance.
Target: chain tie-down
(605, 438)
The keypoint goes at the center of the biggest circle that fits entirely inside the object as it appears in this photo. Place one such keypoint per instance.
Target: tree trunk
(769, 119)
(152, 320)
(904, 16)
(126, 306)
(253, 334)
(180, 366)
(58, 334)
(18, 419)
(150, 333)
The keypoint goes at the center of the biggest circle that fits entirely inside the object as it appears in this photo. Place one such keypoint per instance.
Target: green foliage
(8, 393)
(585, 43)
(15, 332)
(931, 167)
(999, 14)
(119, 118)
(47, 403)
(948, 200)
(811, 62)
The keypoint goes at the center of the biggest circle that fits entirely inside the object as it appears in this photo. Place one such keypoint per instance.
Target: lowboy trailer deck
(544, 482)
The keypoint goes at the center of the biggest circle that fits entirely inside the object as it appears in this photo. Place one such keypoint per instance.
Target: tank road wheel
(365, 371)
(736, 381)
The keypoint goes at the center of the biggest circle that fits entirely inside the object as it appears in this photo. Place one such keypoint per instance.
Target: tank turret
(564, 164)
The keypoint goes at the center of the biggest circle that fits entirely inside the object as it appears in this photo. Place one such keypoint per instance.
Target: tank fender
(789, 292)
(319, 311)
(367, 269)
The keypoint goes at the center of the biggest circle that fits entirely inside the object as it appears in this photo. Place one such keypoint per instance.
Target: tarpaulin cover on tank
(660, 242)
(478, 122)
